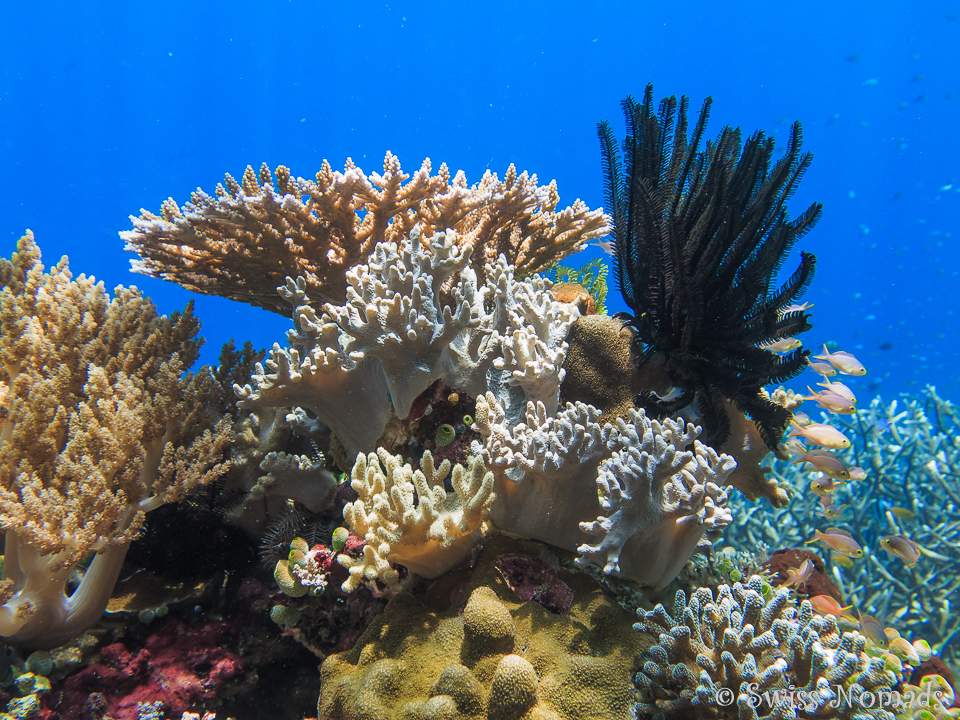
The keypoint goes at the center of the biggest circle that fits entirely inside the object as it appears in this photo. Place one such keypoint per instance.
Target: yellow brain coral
(470, 649)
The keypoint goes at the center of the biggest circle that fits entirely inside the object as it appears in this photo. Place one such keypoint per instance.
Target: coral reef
(738, 641)
(406, 516)
(468, 647)
(698, 236)
(818, 583)
(242, 242)
(909, 449)
(99, 425)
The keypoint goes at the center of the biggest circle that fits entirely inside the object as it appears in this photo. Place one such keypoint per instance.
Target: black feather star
(700, 235)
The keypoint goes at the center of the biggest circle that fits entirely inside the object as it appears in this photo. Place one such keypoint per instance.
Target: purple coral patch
(532, 578)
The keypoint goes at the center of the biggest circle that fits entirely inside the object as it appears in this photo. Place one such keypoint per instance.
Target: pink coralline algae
(532, 578)
(179, 666)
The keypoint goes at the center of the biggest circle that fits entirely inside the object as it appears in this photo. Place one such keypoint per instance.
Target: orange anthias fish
(839, 541)
(820, 434)
(902, 547)
(844, 362)
(782, 345)
(831, 402)
(838, 388)
(797, 576)
(824, 486)
(857, 473)
(827, 463)
(825, 369)
(826, 605)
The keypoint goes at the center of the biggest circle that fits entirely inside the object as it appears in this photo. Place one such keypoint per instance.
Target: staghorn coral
(98, 426)
(406, 516)
(470, 649)
(242, 242)
(775, 659)
(910, 465)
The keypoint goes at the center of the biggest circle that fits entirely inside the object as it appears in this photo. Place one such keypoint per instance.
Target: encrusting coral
(99, 424)
(242, 242)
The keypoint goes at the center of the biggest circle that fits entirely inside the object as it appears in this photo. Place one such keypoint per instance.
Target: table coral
(488, 654)
(245, 239)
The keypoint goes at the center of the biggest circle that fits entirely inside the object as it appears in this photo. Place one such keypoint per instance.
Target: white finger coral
(661, 491)
(407, 516)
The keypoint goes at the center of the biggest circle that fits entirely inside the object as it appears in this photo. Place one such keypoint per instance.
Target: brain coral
(470, 649)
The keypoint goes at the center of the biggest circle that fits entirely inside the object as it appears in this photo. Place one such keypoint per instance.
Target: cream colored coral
(99, 426)
(407, 516)
(242, 242)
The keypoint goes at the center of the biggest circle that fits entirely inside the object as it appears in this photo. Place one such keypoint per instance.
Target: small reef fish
(857, 473)
(825, 369)
(902, 513)
(797, 576)
(873, 630)
(838, 388)
(820, 434)
(839, 541)
(831, 402)
(901, 547)
(833, 512)
(802, 419)
(607, 246)
(826, 605)
(844, 362)
(827, 463)
(824, 486)
(782, 345)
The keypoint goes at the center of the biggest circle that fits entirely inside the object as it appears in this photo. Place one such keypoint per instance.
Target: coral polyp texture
(99, 424)
(471, 649)
(777, 660)
(242, 241)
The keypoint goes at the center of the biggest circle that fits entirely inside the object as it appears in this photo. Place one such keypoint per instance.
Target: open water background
(109, 107)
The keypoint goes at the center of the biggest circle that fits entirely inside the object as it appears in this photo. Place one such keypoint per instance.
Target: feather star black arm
(699, 237)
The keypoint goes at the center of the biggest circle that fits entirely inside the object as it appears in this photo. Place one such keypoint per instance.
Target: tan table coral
(488, 655)
(242, 242)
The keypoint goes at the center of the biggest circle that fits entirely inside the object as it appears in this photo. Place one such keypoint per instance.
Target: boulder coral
(469, 648)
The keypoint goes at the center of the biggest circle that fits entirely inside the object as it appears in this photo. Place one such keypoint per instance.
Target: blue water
(106, 108)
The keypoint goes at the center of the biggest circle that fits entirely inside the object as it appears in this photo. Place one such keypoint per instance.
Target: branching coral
(408, 517)
(99, 426)
(242, 242)
(774, 658)
(910, 451)
(699, 236)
